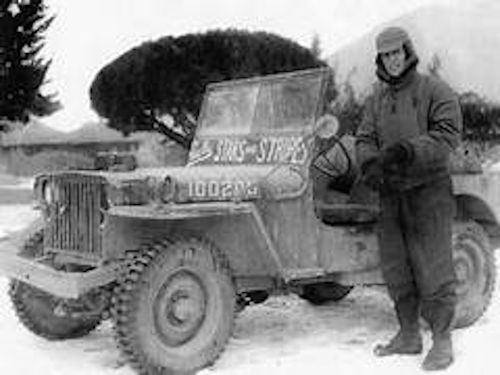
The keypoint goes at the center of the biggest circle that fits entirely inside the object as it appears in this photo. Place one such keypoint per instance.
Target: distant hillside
(36, 132)
(465, 37)
(93, 132)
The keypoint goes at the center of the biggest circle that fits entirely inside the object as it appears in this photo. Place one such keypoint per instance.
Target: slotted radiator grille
(74, 216)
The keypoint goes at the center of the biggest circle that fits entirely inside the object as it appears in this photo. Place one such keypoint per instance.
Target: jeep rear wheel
(476, 272)
(322, 293)
(174, 307)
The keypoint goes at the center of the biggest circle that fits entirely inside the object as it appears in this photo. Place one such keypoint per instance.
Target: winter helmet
(390, 39)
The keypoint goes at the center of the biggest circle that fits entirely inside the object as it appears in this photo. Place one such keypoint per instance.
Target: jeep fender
(477, 197)
(236, 228)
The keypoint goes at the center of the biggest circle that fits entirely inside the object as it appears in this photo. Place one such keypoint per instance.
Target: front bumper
(59, 283)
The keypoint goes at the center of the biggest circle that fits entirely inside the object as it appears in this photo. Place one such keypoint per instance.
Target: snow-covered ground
(283, 336)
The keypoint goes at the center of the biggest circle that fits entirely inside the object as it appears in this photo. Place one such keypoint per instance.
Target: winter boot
(440, 355)
(408, 339)
(407, 342)
(440, 315)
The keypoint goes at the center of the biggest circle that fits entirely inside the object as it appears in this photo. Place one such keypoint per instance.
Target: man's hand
(397, 157)
(377, 173)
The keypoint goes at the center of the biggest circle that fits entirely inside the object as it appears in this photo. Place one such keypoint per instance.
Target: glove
(372, 174)
(397, 157)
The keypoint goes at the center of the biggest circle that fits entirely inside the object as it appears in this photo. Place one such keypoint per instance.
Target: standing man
(411, 124)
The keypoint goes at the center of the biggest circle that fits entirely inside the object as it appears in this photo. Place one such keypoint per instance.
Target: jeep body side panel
(349, 249)
(310, 248)
(293, 228)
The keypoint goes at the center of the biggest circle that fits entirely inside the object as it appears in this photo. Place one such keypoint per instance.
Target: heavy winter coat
(420, 109)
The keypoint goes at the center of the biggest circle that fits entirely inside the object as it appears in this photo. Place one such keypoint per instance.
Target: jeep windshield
(284, 102)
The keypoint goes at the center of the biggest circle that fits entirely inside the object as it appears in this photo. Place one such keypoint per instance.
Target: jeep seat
(354, 204)
(347, 213)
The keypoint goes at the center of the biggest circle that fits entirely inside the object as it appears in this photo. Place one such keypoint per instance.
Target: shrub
(159, 151)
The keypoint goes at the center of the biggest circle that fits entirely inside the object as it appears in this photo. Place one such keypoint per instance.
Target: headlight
(50, 193)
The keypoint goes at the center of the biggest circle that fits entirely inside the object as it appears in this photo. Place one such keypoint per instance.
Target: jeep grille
(74, 217)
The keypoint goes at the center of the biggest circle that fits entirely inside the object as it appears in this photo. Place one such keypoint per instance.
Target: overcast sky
(86, 35)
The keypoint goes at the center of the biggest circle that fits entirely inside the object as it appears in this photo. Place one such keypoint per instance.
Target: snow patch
(283, 336)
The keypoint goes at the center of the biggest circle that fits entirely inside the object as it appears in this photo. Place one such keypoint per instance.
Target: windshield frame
(320, 73)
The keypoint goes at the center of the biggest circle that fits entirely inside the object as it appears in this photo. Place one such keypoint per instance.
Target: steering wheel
(329, 167)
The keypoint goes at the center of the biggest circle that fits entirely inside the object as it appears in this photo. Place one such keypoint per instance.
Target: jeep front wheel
(174, 307)
(38, 312)
(476, 272)
(44, 314)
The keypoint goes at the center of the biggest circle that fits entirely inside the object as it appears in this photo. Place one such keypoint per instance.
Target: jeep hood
(212, 182)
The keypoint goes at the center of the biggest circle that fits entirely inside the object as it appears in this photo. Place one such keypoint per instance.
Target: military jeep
(171, 255)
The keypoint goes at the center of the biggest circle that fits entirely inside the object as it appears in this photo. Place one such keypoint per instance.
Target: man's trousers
(416, 254)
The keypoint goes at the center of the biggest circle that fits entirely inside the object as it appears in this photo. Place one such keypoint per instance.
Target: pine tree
(23, 24)
(165, 79)
(481, 117)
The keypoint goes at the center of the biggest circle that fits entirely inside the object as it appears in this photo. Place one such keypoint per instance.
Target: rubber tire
(321, 293)
(143, 306)
(35, 308)
(476, 271)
